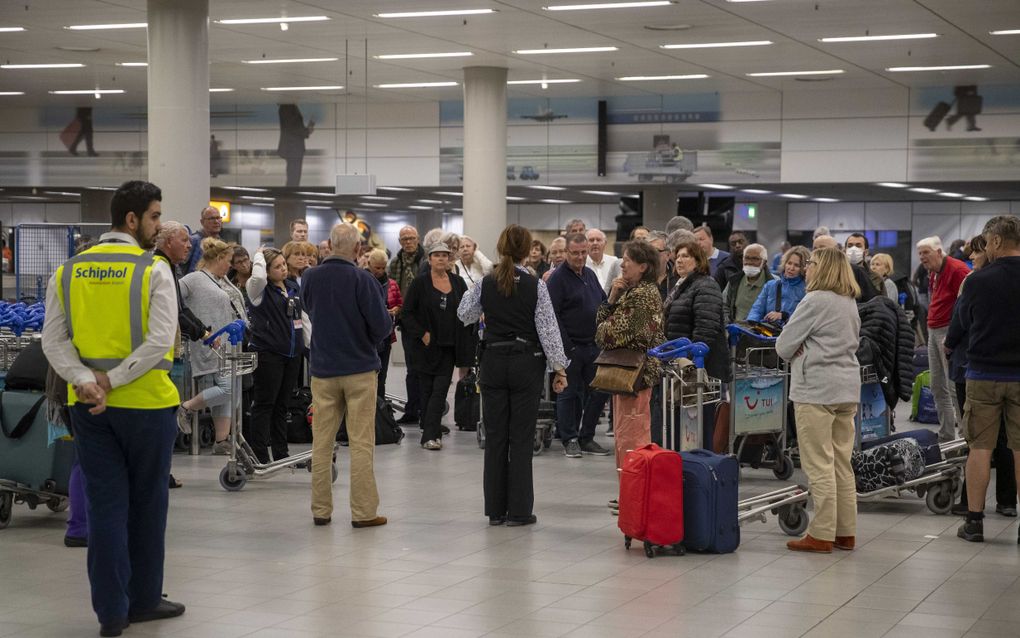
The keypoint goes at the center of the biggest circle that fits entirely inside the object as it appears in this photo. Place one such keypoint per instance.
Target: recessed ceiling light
(555, 201)
(434, 14)
(245, 188)
(654, 78)
(74, 49)
(893, 185)
(220, 90)
(131, 63)
(826, 200)
(543, 82)
(291, 19)
(608, 5)
(540, 187)
(320, 207)
(392, 188)
(927, 191)
(718, 45)
(420, 207)
(879, 38)
(770, 74)
(11, 29)
(719, 186)
(950, 194)
(380, 198)
(1006, 32)
(314, 193)
(450, 193)
(325, 87)
(976, 199)
(604, 193)
(793, 196)
(566, 50)
(746, 0)
(511, 198)
(667, 27)
(88, 92)
(260, 204)
(755, 191)
(262, 199)
(317, 201)
(952, 67)
(288, 60)
(417, 56)
(373, 204)
(431, 201)
(12, 92)
(68, 65)
(414, 85)
(100, 27)
(68, 194)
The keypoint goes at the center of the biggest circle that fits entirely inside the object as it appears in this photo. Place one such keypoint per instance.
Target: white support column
(179, 105)
(485, 155)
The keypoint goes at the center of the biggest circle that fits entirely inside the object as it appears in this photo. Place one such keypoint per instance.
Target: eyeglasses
(212, 219)
(407, 238)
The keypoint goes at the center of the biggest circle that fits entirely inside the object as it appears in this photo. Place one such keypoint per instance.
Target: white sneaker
(184, 420)
(434, 444)
(221, 448)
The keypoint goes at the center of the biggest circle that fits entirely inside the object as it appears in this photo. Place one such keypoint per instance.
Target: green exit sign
(752, 211)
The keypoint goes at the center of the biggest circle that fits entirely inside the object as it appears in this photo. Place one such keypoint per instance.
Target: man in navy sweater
(986, 311)
(576, 296)
(349, 321)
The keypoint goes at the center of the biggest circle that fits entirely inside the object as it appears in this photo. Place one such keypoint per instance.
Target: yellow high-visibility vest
(104, 292)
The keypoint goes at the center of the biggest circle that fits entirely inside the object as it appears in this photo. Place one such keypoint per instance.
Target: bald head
(825, 241)
(344, 240)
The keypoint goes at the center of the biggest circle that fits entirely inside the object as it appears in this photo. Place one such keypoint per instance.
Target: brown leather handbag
(620, 371)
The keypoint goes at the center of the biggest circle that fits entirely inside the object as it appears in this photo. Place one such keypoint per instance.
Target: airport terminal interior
(896, 120)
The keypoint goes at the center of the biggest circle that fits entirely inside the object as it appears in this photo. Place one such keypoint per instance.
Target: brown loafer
(372, 522)
(322, 520)
(810, 544)
(845, 542)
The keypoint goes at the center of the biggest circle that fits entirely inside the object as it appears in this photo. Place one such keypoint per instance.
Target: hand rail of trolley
(234, 331)
(682, 347)
(736, 331)
(679, 390)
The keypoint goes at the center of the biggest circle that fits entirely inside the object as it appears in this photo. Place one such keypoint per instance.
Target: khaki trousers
(825, 435)
(333, 397)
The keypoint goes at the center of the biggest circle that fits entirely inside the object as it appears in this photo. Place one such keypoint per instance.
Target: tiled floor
(252, 564)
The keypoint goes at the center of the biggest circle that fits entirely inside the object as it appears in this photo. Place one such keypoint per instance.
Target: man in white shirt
(606, 267)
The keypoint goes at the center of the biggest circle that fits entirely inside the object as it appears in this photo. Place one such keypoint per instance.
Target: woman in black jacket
(438, 340)
(694, 309)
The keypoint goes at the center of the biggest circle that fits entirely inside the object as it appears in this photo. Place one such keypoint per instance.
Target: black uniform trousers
(413, 406)
(511, 381)
(125, 458)
(275, 379)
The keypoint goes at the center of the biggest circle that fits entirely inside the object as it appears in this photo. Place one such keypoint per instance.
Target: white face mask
(752, 271)
(855, 254)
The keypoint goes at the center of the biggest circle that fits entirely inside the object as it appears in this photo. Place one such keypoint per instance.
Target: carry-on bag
(299, 426)
(652, 498)
(922, 401)
(28, 370)
(26, 456)
(937, 115)
(467, 410)
(386, 429)
(710, 499)
(920, 359)
(886, 465)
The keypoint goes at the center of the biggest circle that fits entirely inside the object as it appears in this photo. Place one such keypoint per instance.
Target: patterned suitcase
(892, 463)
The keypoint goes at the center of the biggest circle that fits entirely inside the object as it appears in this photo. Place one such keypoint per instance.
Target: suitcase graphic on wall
(936, 116)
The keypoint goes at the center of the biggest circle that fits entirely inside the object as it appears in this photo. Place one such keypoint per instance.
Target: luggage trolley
(242, 463)
(758, 400)
(939, 483)
(686, 389)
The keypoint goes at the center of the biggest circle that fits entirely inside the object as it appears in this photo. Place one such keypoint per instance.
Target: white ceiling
(793, 25)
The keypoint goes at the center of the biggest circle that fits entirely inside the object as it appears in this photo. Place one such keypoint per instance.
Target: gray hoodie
(827, 327)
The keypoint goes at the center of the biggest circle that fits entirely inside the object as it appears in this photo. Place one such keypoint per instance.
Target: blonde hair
(883, 260)
(212, 250)
(377, 255)
(305, 248)
(833, 272)
(801, 252)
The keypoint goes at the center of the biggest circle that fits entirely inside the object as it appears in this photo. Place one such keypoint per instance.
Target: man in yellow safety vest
(111, 318)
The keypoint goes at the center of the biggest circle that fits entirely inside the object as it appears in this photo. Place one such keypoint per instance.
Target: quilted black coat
(887, 342)
(695, 310)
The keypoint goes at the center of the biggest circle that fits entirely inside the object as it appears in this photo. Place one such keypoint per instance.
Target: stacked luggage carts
(242, 464)
(33, 470)
(889, 465)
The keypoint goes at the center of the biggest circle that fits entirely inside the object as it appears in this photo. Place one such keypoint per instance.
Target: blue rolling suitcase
(26, 456)
(710, 502)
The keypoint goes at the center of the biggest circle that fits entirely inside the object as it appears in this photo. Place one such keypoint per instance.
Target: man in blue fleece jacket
(349, 320)
(986, 312)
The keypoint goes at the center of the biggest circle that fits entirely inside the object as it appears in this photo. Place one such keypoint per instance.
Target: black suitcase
(936, 116)
(386, 429)
(467, 410)
(299, 429)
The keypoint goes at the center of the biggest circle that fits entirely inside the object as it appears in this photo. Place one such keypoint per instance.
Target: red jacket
(944, 287)
(393, 300)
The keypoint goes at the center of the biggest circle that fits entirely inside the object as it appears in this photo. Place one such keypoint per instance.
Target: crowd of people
(538, 316)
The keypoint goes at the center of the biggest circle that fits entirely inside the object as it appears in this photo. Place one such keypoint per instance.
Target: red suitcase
(652, 499)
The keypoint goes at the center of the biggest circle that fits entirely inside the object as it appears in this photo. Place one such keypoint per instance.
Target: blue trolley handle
(736, 332)
(681, 347)
(234, 331)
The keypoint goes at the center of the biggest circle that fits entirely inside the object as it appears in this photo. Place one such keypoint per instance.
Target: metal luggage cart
(242, 464)
(686, 389)
(788, 505)
(758, 401)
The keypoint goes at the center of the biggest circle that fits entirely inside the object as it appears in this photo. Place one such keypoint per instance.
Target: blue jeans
(125, 458)
(578, 407)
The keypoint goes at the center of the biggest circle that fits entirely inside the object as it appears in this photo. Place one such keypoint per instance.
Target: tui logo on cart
(100, 274)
